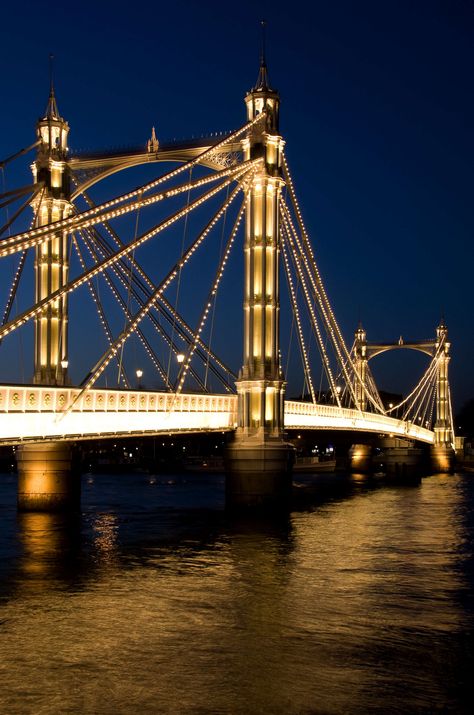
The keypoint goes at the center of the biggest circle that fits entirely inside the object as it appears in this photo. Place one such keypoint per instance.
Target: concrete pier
(258, 472)
(360, 458)
(45, 481)
(401, 459)
(442, 459)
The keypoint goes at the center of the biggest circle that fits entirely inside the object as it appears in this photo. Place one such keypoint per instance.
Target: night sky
(377, 112)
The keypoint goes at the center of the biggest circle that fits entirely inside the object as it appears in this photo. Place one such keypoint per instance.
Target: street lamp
(63, 375)
(139, 374)
(180, 357)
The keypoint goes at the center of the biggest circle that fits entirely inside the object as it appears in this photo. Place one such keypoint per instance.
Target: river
(154, 600)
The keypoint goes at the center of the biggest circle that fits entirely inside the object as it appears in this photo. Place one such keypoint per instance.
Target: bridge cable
(121, 302)
(296, 259)
(100, 311)
(132, 259)
(211, 296)
(144, 283)
(183, 239)
(296, 316)
(211, 331)
(104, 212)
(119, 272)
(80, 280)
(104, 361)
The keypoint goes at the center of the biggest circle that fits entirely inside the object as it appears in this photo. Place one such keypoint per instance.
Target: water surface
(153, 600)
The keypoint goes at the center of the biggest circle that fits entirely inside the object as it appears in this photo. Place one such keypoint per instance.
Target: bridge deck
(33, 412)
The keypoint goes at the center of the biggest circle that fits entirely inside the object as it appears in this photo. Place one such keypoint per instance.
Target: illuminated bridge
(32, 413)
(140, 280)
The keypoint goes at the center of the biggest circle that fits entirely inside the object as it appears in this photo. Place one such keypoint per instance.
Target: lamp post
(139, 374)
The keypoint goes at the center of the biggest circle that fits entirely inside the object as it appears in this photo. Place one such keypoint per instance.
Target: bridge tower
(45, 482)
(259, 460)
(51, 264)
(360, 364)
(442, 451)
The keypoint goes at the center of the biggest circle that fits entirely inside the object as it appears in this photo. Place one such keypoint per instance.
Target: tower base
(45, 482)
(258, 471)
(401, 460)
(442, 458)
(360, 458)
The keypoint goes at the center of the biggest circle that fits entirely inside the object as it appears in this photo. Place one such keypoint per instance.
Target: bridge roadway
(30, 412)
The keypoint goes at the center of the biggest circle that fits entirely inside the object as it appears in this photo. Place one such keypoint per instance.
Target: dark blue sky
(377, 112)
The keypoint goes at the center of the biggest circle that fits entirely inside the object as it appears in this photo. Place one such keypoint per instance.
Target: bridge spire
(360, 364)
(442, 455)
(259, 459)
(262, 84)
(261, 97)
(52, 204)
(52, 111)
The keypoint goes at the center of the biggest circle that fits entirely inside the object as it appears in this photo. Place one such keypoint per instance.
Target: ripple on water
(357, 604)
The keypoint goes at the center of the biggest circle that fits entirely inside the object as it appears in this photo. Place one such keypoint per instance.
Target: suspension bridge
(152, 262)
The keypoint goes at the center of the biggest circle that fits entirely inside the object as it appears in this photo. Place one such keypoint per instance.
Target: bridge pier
(259, 460)
(45, 481)
(258, 471)
(401, 459)
(360, 458)
(442, 458)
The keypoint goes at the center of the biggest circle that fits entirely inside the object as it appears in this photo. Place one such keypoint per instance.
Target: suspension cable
(178, 283)
(211, 296)
(120, 271)
(149, 350)
(101, 213)
(72, 285)
(145, 284)
(296, 317)
(100, 311)
(103, 362)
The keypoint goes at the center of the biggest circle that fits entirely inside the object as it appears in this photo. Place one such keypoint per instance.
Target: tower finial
(51, 67)
(262, 79)
(52, 107)
(262, 53)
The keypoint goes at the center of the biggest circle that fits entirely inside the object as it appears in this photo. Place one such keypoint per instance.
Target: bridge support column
(259, 460)
(360, 458)
(52, 262)
(442, 459)
(401, 460)
(360, 363)
(442, 452)
(45, 481)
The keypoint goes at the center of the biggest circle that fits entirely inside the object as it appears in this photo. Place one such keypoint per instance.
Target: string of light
(181, 325)
(91, 217)
(302, 279)
(296, 313)
(73, 285)
(104, 361)
(210, 299)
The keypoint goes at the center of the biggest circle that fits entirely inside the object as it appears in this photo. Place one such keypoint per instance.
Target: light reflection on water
(155, 601)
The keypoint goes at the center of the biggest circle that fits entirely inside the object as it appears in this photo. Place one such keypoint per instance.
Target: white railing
(33, 412)
(29, 412)
(306, 415)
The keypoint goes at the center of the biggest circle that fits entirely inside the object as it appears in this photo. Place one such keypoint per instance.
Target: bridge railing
(38, 412)
(21, 398)
(34, 412)
(306, 415)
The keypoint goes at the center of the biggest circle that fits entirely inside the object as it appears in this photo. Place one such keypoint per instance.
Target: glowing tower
(51, 263)
(259, 459)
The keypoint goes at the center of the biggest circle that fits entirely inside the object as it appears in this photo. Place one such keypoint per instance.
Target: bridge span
(153, 306)
(31, 412)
